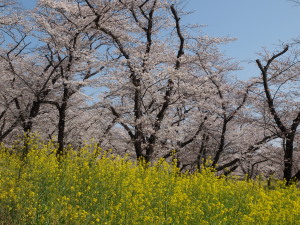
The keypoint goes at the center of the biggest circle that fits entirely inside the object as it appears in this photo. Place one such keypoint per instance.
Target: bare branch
(181, 38)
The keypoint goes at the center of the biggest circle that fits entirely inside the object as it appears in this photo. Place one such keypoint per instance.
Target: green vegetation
(91, 186)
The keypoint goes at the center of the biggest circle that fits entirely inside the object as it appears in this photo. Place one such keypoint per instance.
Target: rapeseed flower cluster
(91, 186)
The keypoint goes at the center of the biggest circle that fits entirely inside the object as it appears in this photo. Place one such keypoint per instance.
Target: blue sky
(255, 24)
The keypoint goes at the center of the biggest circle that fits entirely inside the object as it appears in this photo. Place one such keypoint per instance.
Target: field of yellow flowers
(92, 187)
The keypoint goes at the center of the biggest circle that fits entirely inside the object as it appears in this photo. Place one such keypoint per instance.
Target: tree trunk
(35, 108)
(221, 145)
(150, 147)
(288, 158)
(61, 129)
(201, 157)
(138, 137)
(138, 148)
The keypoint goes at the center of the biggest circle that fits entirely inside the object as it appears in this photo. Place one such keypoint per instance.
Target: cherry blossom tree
(152, 83)
(280, 78)
(68, 46)
(13, 34)
(163, 88)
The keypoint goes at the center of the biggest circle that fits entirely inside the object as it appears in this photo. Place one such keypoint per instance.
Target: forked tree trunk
(287, 132)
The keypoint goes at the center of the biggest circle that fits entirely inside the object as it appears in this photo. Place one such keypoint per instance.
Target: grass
(94, 187)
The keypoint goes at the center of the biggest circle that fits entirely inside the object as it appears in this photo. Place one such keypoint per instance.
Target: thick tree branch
(258, 144)
(181, 38)
(232, 169)
(270, 100)
(116, 114)
(229, 164)
(183, 144)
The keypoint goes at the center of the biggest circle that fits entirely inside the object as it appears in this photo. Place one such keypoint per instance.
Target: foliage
(92, 186)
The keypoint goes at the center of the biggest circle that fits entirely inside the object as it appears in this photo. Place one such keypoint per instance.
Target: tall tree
(66, 43)
(283, 103)
(153, 73)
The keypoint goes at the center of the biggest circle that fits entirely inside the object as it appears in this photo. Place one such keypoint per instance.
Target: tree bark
(288, 158)
(222, 143)
(61, 129)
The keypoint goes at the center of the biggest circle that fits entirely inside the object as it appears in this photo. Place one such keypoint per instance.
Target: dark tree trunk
(138, 148)
(222, 143)
(288, 158)
(61, 129)
(138, 137)
(27, 122)
(34, 111)
(150, 148)
(201, 157)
